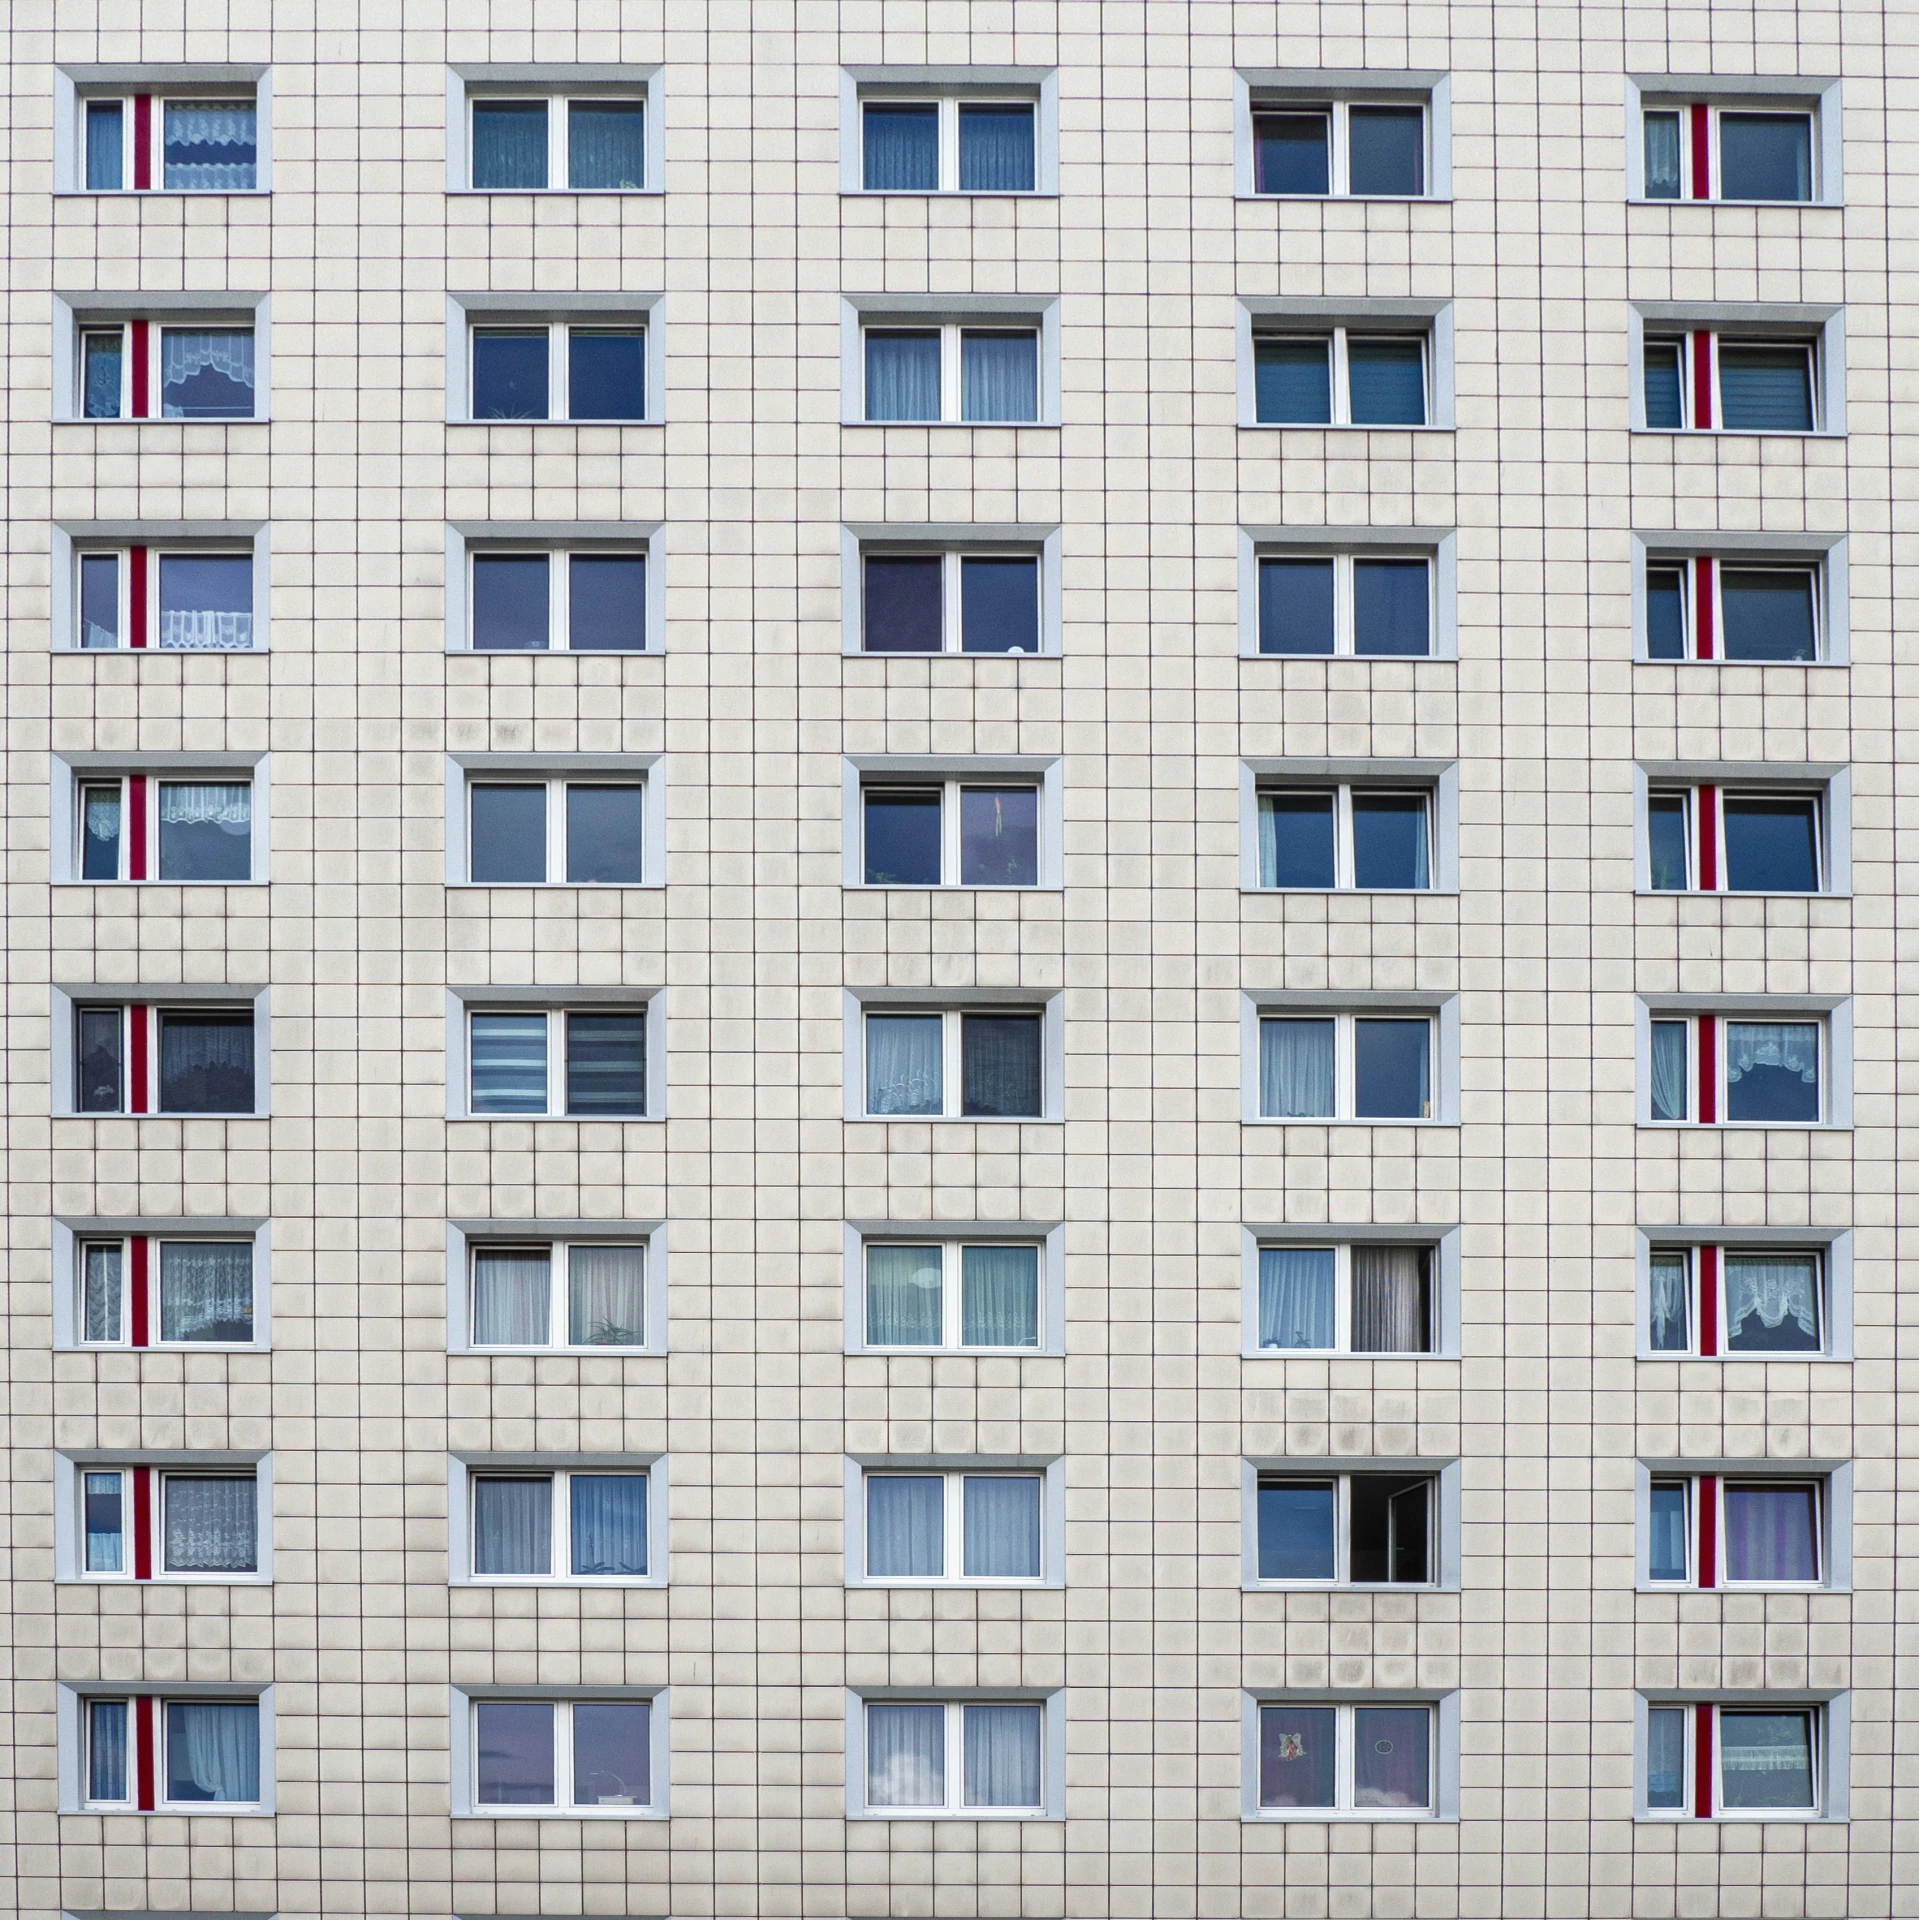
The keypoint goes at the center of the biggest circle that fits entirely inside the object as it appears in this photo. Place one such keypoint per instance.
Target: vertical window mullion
(555, 1063)
(949, 146)
(1342, 1297)
(954, 1727)
(1343, 640)
(1344, 1098)
(1345, 1759)
(559, 125)
(952, 608)
(1344, 868)
(562, 1561)
(1342, 398)
(1339, 161)
(952, 1102)
(1342, 1530)
(950, 372)
(559, 401)
(953, 1494)
(557, 828)
(559, 606)
(952, 1265)
(562, 1754)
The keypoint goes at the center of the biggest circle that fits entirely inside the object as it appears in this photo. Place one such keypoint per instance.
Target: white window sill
(165, 1579)
(636, 420)
(1359, 893)
(1343, 426)
(955, 426)
(181, 1118)
(1730, 893)
(165, 653)
(1348, 199)
(559, 1119)
(1740, 1359)
(634, 1583)
(1783, 206)
(1646, 660)
(948, 653)
(1347, 1817)
(142, 885)
(553, 886)
(1331, 1353)
(892, 886)
(556, 653)
(1342, 1586)
(558, 193)
(1744, 1126)
(160, 420)
(955, 1586)
(1740, 1586)
(956, 1120)
(994, 1814)
(945, 193)
(552, 1353)
(1740, 433)
(562, 1813)
(1805, 1818)
(1335, 1120)
(172, 1811)
(163, 193)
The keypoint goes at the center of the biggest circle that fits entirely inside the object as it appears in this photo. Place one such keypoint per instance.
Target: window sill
(556, 886)
(184, 1811)
(1740, 433)
(562, 1813)
(1731, 893)
(1335, 1353)
(1351, 199)
(956, 426)
(948, 193)
(1361, 659)
(1647, 660)
(647, 420)
(559, 1119)
(164, 1579)
(1327, 1816)
(255, 1114)
(163, 193)
(1342, 426)
(1336, 1120)
(637, 1583)
(552, 1353)
(558, 653)
(955, 1586)
(557, 193)
(1798, 206)
(1744, 1126)
(164, 653)
(160, 420)
(1360, 893)
(976, 1814)
(1790, 1819)
(956, 1120)
(901, 886)
(139, 885)
(1730, 1589)
(1342, 1586)
(1719, 1359)
(170, 1346)
(949, 653)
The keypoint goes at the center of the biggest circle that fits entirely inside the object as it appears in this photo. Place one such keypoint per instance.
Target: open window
(1339, 1529)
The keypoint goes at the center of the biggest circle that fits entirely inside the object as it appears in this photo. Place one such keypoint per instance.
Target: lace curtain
(903, 1289)
(213, 1750)
(1670, 1305)
(609, 1524)
(513, 1525)
(606, 1304)
(206, 602)
(101, 1268)
(209, 1523)
(1297, 1305)
(905, 1754)
(1669, 1070)
(996, 149)
(1794, 1047)
(903, 1063)
(1002, 1754)
(189, 353)
(206, 1063)
(1296, 1069)
(206, 1290)
(230, 808)
(905, 1525)
(999, 1296)
(512, 1303)
(1001, 1515)
(1389, 1300)
(210, 146)
(1768, 1290)
(999, 377)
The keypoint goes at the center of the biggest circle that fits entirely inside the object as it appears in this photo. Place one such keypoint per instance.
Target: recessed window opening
(969, 602)
(969, 1294)
(1346, 1066)
(586, 601)
(1365, 148)
(1737, 1300)
(1371, 604)
(1343, 377)
(588, 1293)
(1347, 1298)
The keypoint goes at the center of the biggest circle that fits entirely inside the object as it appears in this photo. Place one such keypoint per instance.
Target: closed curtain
(606, 1305)
(1295, 1069)
(513, 1526)
(210, 1524)
(1001, 1513)
(1668, 1070)
(902, 376)
(901, 149)
(206, 1290)
(511, 1299)
(1392, 1756)
(999, 377)
(509, 1062)
(229, 808)
(903, 1296)
(188, 352)
(1771, 1288)
(1772, 1533)
(1001, 1066)
(606, 144)
(102, 1268)
(509, 145)
(1002, 1754)
(1389, 1300)
(999, 1296)
(107, 1750)
(1296, 1297)
(213, 1750)
(996, 149)
(905, 1754)
(210, 146)
(1670, 1307)
(206, 1063)
(609, 1525)
(1793, 1047)
(905, 1526)
(903, 1063)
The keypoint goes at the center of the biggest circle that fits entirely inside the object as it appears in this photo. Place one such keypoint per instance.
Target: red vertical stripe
(1709, 1301)
(136, 826)
(142, 142)
(1706, 1492)
(1703, 612)
(137, 1060)
(1709, 839)
(137, 1298)
(1702, 153)
(136, 596)
(143, 1523)
(1708, 1072)
(1702, 379)
(1702, 1762)
(138, 332)
(143, 1750)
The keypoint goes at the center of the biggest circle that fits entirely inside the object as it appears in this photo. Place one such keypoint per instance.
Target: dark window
(1765, 389)
(1392, 1069)
(903, 603)
(514, 1742)
(606, 603)
(1667, 867)
(902, 148)
(1772, 843)
(1387, 379)
(1297, 832)
(1662, 156)
(1293, 382)
(1391, 1524)
(1296, 1523)
(996, 152)
(1765, 1760)
(1772, 1072)
(902, 376)
(509, 145)
(606, 1064)
(100, 1034)
(1391, 612)
(508, 844)
(1765, 156)
(1297, 1756)
(1000, 1066)
(999, 836)
(1387, 150)
(510, 373)
(206, 602)
(606, 145)
(612, 1753)
(1767, 613)
(1291, 153)
(1296, 606)
(1665, 406)
(206, 1063)
(1665, 613)
(999, 604)
(999, 377)
(100, 829)
(100, 600)
(205, 830)
(1392, 1299)
(1389, 840)
(606, 373)
(603, 835)
(102, 358)
(106, 146)
(510, 602)
(902, 835)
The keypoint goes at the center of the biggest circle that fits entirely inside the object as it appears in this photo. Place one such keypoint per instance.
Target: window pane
(512, 1298)
(513, 1526)
(1772, 1302)
(905, 1526)
(509, 145)
(1662, 156)
(1665, 408)
(1772, 845)
(612, 1753)
(903, 1297)
(1296, 1069)
(1388, 382)
(100, 832)
(206, 1063)
(609, 1525)
(1665, 614)
(206, 1291)
(103, 1265)
(1391, 615)
(104, 1524)
(106, 168)
(1767, 614)
(1666, 1757)
(513, 1741)
(903, 1063)
(606, 603)
(606, 373)
(603, 835)
(999, 1296)
(1669, 1070)
(1297, 1756)
(1290, 153)
(208, 1523)
(999, 604)
(99, 1035)
(999, 836)
(902, 148)
(206, 601)
(1002, 1755)
(1765, 389)
(902, 376)
(1000, 1066)
(509, 1062)
(206, 830)
(1389, 840)
(206, 373)
(1296, 840)
(1392, 1762)
(1765, 1759)
(1765, 156)
(1295, 606)
(1296, 1530)
(1390, 1524)
(1772, 1533)
(996, 149)
(209, 146)
(107, 1750)
(100, 600)
(1772, 1071)
(1666, 864)
(1297, 1304)
(1670, 1304)
(510, 602)
(903, 603)
(1387, 150)
(510, 373)
(606, 145)
(999, 377)
(1293, 382)
(606, 1296)
(1001, 1520)
(902, 836)
(101, 359)
(1666, 1532)
(1392, 1072)
(1392, 1299)
(213, 1750)
(905, 1755)
(606, 1065)
(508, 839)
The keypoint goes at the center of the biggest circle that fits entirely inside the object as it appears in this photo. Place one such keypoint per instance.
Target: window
(983, 372)
(977, 1527)
(532, 369)
(188, 599)
(585, 1756)
(1342, 376)
(580, 1063)
(1373, 1759)
(1365, 148)
(973, 1757)
(156, 1290)
(965, 601)
(561, 832)
(540, 143)
(1708, 1069)
(1736, 1530)
(1709, 838)
(586, 601)
(974, 142)
(1740, 1301)
(173, 1523)
(952, 1293)
(1754, 150)
(1368, 838)
(146, 1753)
(1346, 1066)
(142, 827)
(141, 142)
(1348, 1529)
(1713, 1761)
(586, 1293)
(1378, 605)
(1704, 607)
(1347, 1298)
(148, 369)
(1764, 381)
(958, 833)
(577, 1524)
(169, 1060)
(984, 1064)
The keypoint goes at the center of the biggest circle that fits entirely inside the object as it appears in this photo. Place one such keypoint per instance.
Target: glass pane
(903, 603)
(999, 1296)
(1392, 1069)
(106, 149)
(102, 1269)
(513, 1526)
(209, 146)
(1765, 1760)
(1297, 1756)
(1290, 153)
(1002, 1755)
(510, 373)
(98, 1038)
(206, 1063)
(1772, 1071)
(206, 373)
(905, 1755)
(508, 1062)
(1297, 1303)
(1772, 845)
(612, 1753)
(512, 1297)
(999, 836)
(606, 373)
(903, 1297)
(206, 830)
(1765, 389)
(508, 839)
(1666, 1557)
(208, 1523)
(1392, 1299)
(1665, 613)
(999, 604)
(905, 1526)
(1669, 1070)
(513, 1742)
(1296, 1069)
(206, 1291)
(1772, 1302)
(1388, 382)
(1389, 840)
(100, 832)
(1000, 1066)
(902, 836)
(1670, 1304)
(1665, 407)
(1293, 382)
(1391, 615)
(101, 359)
(1296, 606)
(1392, 1756)
(100, 600)
(996, 149)
(107, 1750)
(902, 376)
(1767, 613)
(609, 1525)
(606, 1065)
(206, 602)
(1765, 156)
(606, 1296)
(1296, 1530)
(213, 1750)
(1387, 150)
(510, 602)
(1296, 840)
(902, 148)
(509, 145)
(603, 827)
(1001, 1526)
(1390, 1518)
(104, 1523)
(606, 145)
(1662, 156)
(903, 1063)
(606, 603)
(999, 377)
(1667, 867)
(1666, 1757)
(1772, 1533)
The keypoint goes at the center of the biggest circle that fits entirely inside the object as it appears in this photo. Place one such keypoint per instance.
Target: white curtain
(1669, 1070)
(903, 1063)
(999, 1296)
(188, 352)
(905, 1754)
(1001, 1516)
(229, 808)
(606, 1302)
(609, 1524)
(206, 1290)
(213, 1750)
(903, 1297)
(205, 630)
(999, 377)
(209, 1523)
(905, 1526)
(210, 146)
(1792, 1046)
(103, 815)
(1670, 1305)
(1296, 1297)
(512, 1302)
(102, 1266)
(512, 1525)
(1768, 1289)
(1002, 1755)
(107, 1750)
(1295, 1069)
(1389, 1300)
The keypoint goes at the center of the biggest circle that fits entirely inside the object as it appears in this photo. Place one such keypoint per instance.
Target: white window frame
(1822, 329)
(464, 1002)
(558, 541)
(66, 1000)
(951, 1237)
(1444, 1754)
(1834, 1254)
(75, 314)
(464, 1751)
(467, 1238)
(75, 85)
(954, 1470)
(74, 773)
(74, 540)
(949, 315)
(1831, 1756)
(557, 85)
(950, 87)
(1825, 556)
(1834, 1482)
(1440, 1244)
(463, 1469)
(1045, 776)
(1832, 1017)
(1735, 93)
(1438, 547)
(1052, 1705)
(557, 772)
(1343, 1009)
(1430, 320)
(1436, 781)
(952, 1008)
(71, 1700)
(1259, 89)
(71, 1235)
(556, 313)
(1443, 1518)
(69, 1512)
(954, 543)
(1829, 787)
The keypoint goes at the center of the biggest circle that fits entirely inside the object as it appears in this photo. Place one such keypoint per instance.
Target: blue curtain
(107, 1750)
(209, 1523)
(1390, 608)
(1669, 1304)
(999, 377)
(513, 1525)
(213, 1750)
(512, 1301)
(106, 146)
(606, 145)
(905, 1526)
(104, 1522)
(905, 1754)
(996, 149)
(609, 1524)
(1296, 606)
(1297, 1302)
(1296, 1069)
(102, 356)
(606, 1305)
(1765, 389)
(903, 1066)
(1665, 404)
(1001, 1526)
(902, 376)
(210, 146)
(902, 148)
(1002, 1755)
(903, 1288)
(508, 1062)
(1669, 1078)
(102, 1265)
(999, 1296)
(509, 145)
(1387, 382)
(1293, 382)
